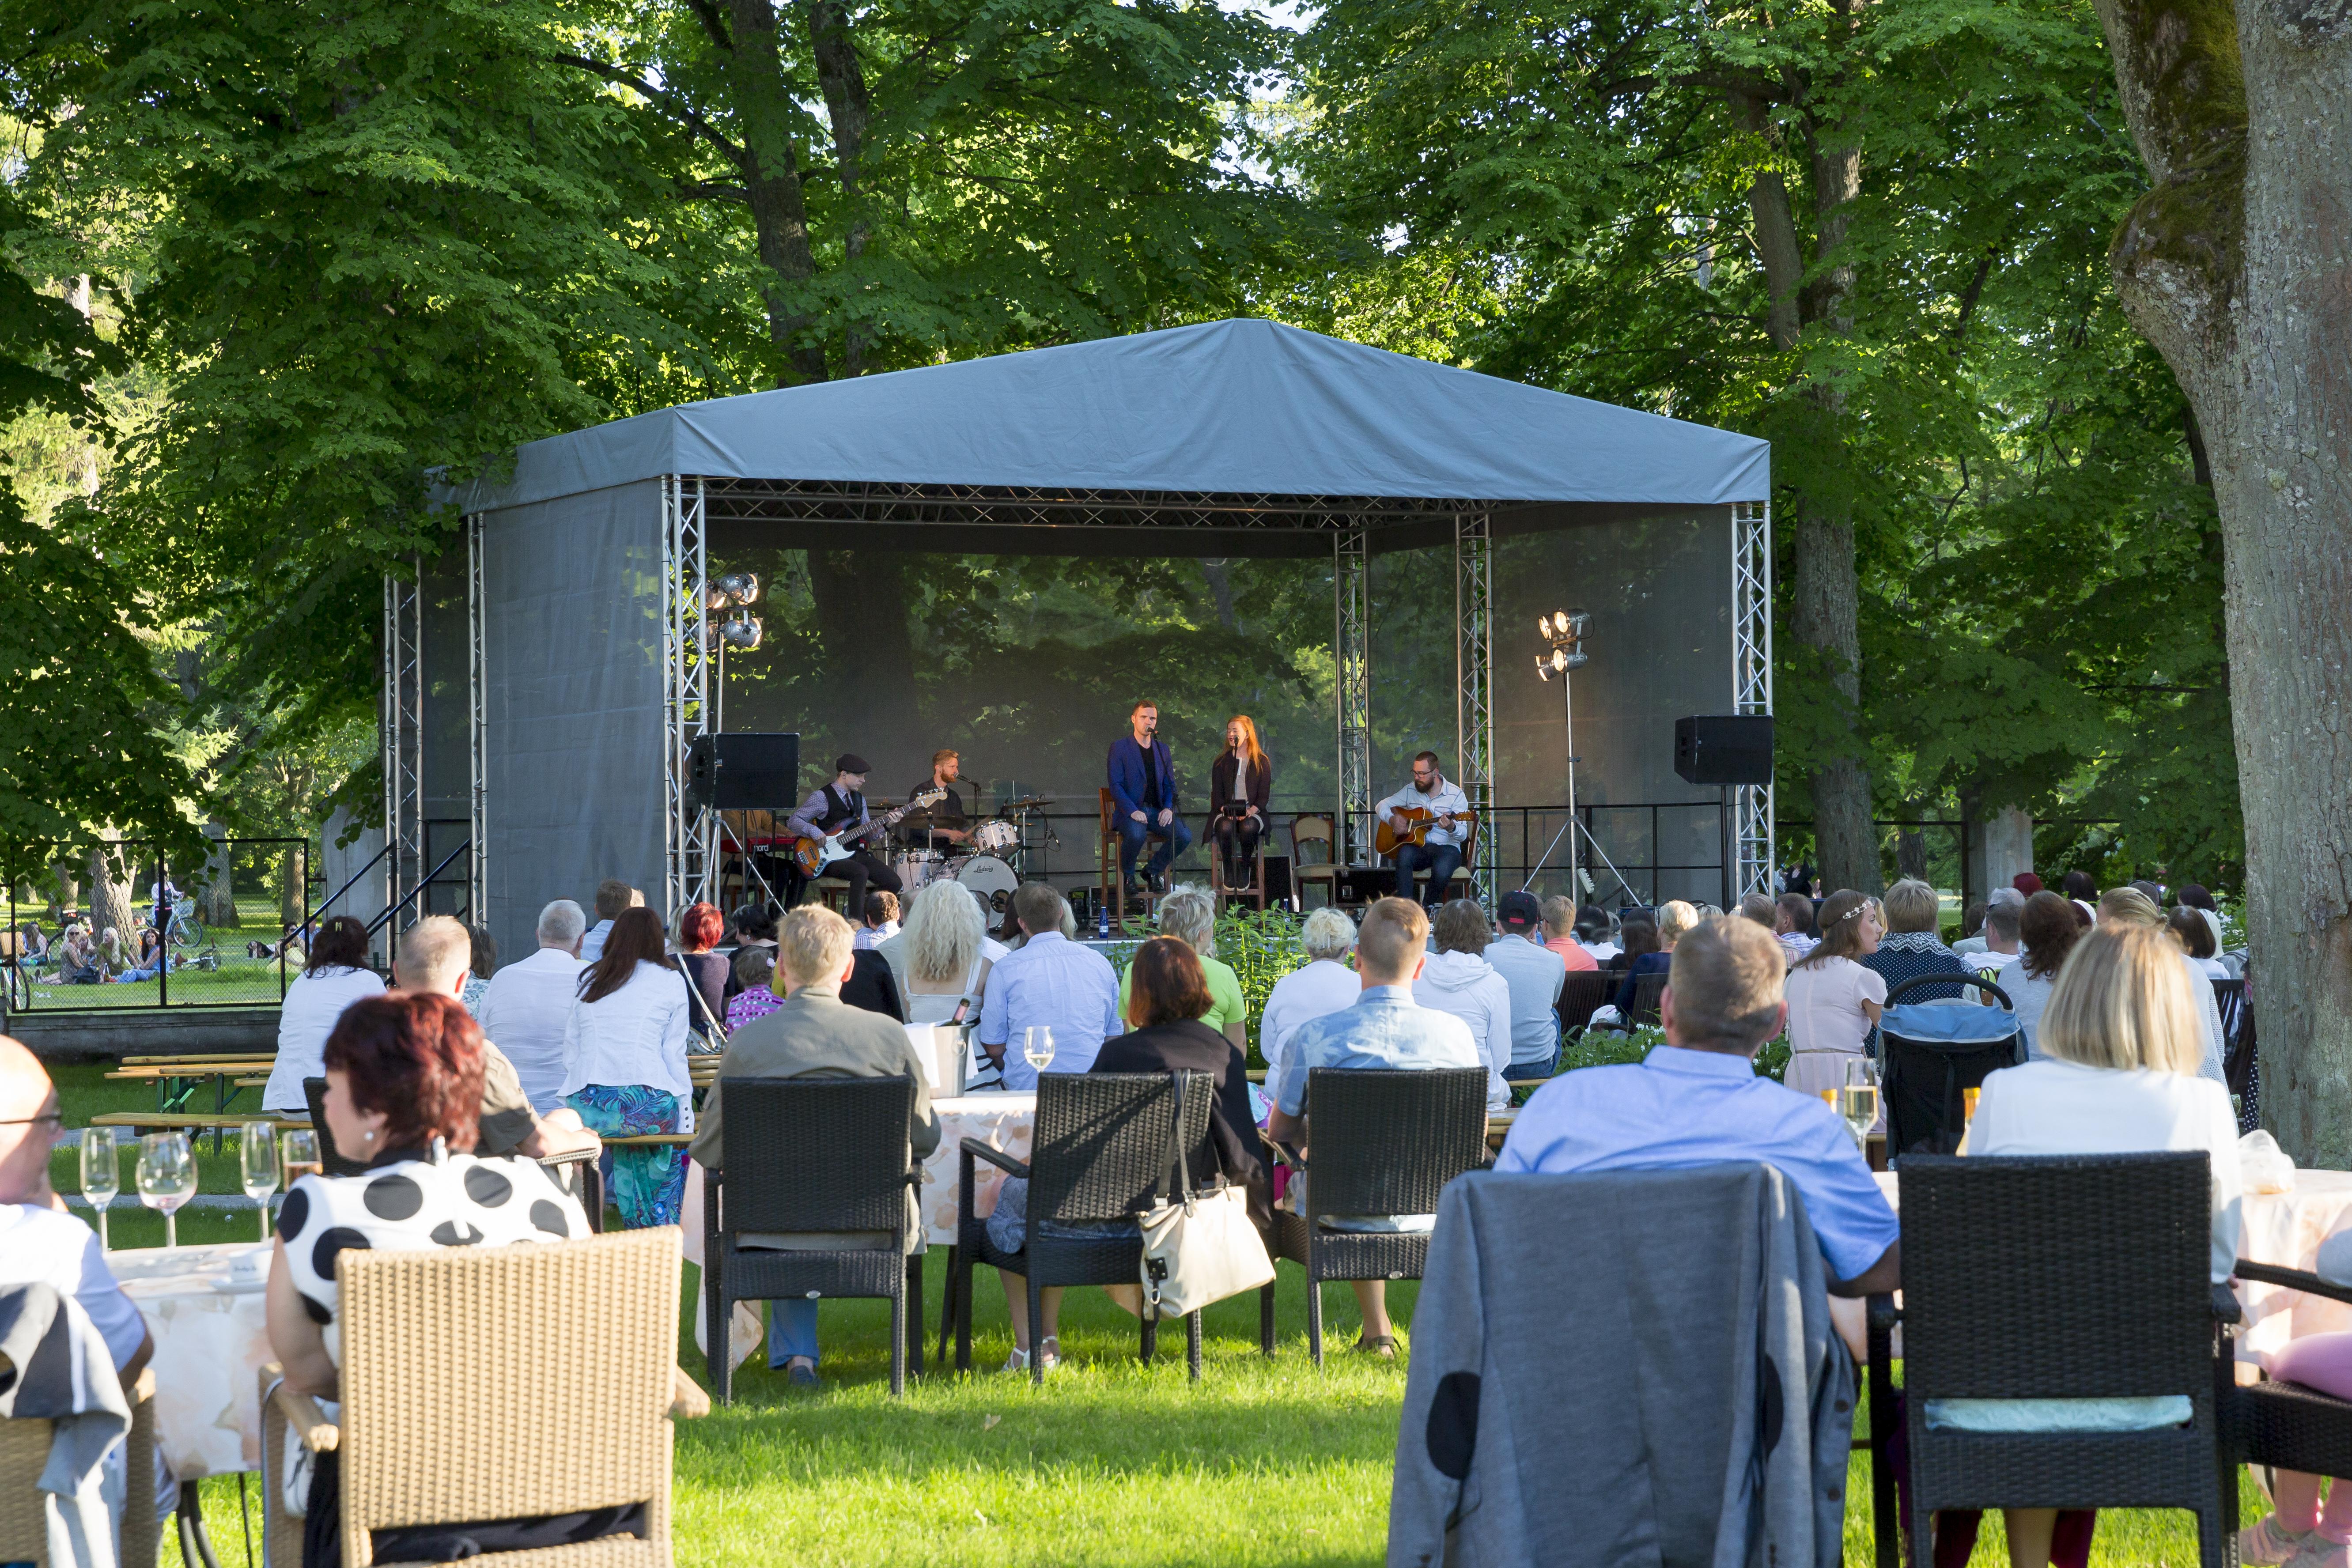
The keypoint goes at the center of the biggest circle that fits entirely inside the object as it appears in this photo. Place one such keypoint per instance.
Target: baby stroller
(1932, 1051)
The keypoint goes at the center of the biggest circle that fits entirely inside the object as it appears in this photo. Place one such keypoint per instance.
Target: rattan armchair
(492, 1383)
(810, 1158)
(2284, 1425)
(24, 1517)
(2069, 1277)
(1096, 1158)
(1384, 1141)
(1583, 993)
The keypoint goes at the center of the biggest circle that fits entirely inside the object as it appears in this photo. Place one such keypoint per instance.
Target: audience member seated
(1592, 926)
(1638, 935)
(526, 1003)
(2195, 896)
(813, 1033)
(1759, 907)
(1051, 981)
(871, 987)
(1535, 974)
(1457, 979)
(881, 920)
(336, 977)
(2134, 908)
(2080, 887)
(79, 960)
(1167, 1005)
(2116, 1075)
(937, 957)
(1559, 934)
(1675, 919)
(1323, 984)
(1190, 915)
(404, 1098)
(755, 926)
(1910, 948)
(613, 896)
(753, 976)
(1971, 930)
(1793, 925)
(1698, 1099)
(433, 962)
(483, 964)
(700, 927)
(1833, 1001)
(1386, 1028)
(2048, 927)
(2002, 934)
(2196, 939)
(625, 1065)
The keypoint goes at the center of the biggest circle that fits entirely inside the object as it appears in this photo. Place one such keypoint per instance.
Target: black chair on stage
(1098, 1152)
(813, 1159)
(1384, 1143)
(575, 1173)
(2241, 1063)
(2067, 1277)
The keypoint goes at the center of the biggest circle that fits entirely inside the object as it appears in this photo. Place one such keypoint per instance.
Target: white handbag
(1198, 1247)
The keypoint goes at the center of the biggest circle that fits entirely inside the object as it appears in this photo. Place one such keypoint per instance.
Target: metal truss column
(403, 745)
(1752, 821)
(1353, 690)
(1474, 685)
(691, 851)
(477, 761)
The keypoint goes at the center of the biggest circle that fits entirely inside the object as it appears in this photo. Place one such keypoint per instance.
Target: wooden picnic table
(195, 1120)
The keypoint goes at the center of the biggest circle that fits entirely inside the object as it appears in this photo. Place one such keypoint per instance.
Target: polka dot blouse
(407, 1206)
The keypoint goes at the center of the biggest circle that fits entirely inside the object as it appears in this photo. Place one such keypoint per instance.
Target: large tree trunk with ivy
(111, 902)
(2238, 266)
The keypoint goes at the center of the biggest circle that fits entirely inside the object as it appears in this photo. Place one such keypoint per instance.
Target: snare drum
(996, 836)
(917, 867)
(987, 875)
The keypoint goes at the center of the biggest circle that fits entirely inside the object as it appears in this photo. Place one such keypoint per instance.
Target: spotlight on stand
(740, 587)
(740, 631)
(1565, 632)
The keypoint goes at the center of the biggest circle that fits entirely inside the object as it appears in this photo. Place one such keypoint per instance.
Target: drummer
(945, 821)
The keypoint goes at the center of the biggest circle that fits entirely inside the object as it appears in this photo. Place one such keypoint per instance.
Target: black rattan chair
(2241, 1063)
(2069, 1277)
(2284, 1425)
(1582, 993)
(813, 1156)
(1098, 1152)
(1383, 1142)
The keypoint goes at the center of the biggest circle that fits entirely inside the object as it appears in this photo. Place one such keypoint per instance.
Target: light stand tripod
(1565, 633)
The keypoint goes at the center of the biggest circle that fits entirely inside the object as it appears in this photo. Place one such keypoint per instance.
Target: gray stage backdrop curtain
(573, 640)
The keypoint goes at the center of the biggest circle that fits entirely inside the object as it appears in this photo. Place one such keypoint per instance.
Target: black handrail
(423, 883)
(313, 912)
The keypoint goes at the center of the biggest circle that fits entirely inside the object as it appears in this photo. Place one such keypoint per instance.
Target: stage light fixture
(740, 587)
(1543, 624)
(741, 632)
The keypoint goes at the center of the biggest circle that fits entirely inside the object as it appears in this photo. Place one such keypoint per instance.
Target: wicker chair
(498, 1382)
(807, 1156)
(1582, 993)
(1647, 991)
(1385, 1142)
(1098, 1155)
(575, 1173)
(2071, 1277)
(2284, 1425)
(24, 1453)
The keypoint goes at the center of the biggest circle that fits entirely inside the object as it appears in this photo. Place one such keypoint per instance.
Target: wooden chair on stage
(1308, 827)
(1110, 886)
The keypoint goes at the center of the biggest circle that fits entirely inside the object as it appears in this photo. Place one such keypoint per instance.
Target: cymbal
(1027, 803)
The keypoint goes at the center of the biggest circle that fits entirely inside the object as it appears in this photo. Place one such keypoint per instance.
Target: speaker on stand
(1724, 749)
(744, 771)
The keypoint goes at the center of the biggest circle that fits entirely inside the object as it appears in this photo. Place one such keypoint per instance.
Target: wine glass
(256, 1155)
(1858, 1101)
(167, 1178)
(1037, 1045)
(101, 1174)
(302, 1156)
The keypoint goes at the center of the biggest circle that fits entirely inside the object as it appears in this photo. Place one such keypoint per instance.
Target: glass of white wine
(1858, 1101)
(302, 1156)
(166, 1178)
(1037, 1045)
(102, 1174)
(256, 1157)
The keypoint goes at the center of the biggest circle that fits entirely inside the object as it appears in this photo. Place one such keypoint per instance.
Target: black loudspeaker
(744, 772)
(1725, 749)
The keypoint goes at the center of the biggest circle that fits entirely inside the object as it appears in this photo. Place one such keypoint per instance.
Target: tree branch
(668, 103)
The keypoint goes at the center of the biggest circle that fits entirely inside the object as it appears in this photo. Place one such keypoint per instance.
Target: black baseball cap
(1520, 908)
(850, 762)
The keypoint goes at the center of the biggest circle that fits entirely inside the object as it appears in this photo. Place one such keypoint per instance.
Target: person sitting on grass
(1386, 1028)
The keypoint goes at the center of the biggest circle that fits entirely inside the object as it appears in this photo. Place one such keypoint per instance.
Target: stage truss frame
(1752, 808)
(1473, 680)
(1352, 650)
(404, 739)
(691, 854)
(477, 730)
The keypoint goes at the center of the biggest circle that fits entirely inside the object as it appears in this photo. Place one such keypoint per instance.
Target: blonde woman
(2117, 1075)
(937, 957)
(1241, 781)
(1834, 998)
(1190, 916)
(1324, 985)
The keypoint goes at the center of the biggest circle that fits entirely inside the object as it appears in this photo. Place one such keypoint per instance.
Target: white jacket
(1467, 986)
(635, 1036)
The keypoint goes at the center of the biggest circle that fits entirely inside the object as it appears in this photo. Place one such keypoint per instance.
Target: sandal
(1381, 1345)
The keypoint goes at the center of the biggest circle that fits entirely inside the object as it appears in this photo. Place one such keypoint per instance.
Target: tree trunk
(111, 903)
(67, 889)
(772, 181)
(2237, 266)
(861, 600)
(843, 79)
(219, 896)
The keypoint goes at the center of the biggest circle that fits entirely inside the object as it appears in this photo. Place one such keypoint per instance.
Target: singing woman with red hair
(1240, 782)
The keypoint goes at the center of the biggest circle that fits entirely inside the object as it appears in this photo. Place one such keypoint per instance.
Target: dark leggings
(1236, 845)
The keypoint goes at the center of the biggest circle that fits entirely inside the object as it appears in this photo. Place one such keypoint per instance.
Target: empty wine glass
(257, 1154)
(1037, 1045)
(101, 1174)
(167, 1178)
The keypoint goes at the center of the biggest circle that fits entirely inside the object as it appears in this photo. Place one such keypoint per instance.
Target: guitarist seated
(840, 808)
(1428, 822)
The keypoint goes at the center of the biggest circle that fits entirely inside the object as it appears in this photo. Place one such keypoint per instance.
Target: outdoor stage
(543, 683)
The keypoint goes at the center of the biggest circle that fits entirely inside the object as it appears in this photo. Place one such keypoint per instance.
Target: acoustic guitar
(813, 854)
(1418, 821)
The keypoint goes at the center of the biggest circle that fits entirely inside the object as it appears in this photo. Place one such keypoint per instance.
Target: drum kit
(989, 865)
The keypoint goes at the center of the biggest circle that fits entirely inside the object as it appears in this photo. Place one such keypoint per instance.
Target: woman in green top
(1187, 915)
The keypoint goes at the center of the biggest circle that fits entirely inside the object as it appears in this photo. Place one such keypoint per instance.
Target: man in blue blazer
(1142, 782)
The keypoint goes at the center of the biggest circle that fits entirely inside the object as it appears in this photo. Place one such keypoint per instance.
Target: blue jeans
(791, 1330)
(1176, 838)
(1440, 859)
(1519, 1073)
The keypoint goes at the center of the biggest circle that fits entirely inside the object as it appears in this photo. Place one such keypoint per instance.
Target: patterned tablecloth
(1002, 1121)
(212, 1340)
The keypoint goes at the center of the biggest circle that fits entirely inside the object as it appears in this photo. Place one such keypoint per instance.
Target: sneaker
(802, 1376)
(2268, 1541)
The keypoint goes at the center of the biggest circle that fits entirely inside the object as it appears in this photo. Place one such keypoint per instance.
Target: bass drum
(987, 875)
(917, 867)
(996, 836)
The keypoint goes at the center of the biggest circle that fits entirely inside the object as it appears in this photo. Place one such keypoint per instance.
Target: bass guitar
(1418, 821)
(813, 854)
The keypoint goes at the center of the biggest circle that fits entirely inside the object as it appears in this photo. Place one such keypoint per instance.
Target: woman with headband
(1833, 999)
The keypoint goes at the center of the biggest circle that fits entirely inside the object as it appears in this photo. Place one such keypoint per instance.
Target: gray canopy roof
(1244, 409)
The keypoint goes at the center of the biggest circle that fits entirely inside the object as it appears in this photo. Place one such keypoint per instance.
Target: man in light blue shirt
(1385, 1028)
(1048, 979)
(1535, 974)
(1696, 1101)
(1440, 851)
